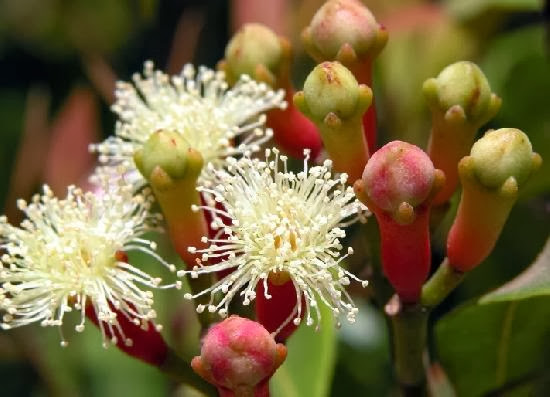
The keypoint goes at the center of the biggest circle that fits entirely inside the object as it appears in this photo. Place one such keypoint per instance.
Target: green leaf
(309, 366)
(534, 281)
(485, 348)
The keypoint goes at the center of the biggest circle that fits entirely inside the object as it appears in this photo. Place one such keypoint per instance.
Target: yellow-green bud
(502, 154)
(331, 88)
(254, 50)
(462, 84)
(166, 155)
(335, 102)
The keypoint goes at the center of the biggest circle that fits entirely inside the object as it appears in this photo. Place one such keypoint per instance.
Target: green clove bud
(335, 102)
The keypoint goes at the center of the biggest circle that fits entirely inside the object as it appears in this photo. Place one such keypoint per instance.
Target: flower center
(291, 239)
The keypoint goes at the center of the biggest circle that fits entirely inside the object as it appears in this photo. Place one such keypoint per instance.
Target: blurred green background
(59, 60)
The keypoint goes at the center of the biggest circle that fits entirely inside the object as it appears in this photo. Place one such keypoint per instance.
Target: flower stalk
(409, 325)
(444, 280)
(273, 312)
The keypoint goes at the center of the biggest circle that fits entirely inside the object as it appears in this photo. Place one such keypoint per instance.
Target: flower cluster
(72, 254)
(199, 105)
(282, 225)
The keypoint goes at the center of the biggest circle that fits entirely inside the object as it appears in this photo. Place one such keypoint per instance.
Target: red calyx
(271, 313)
(363, 74)
(406, 255)
(147, 345)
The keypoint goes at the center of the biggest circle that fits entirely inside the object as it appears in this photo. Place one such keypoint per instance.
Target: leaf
(309, 366)
(488, 347)
(534, 281)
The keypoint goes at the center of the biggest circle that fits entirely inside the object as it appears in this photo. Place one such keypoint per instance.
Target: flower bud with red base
(499, 164)
(139, 340)
(461, 101)
(335, 102)
(276, 304)
(398, 185)
(257, 51)
(239, 357)
(346, 31)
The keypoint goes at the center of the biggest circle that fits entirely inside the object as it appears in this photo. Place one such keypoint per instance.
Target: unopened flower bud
(335, 102)
(257, 51)
(399, 172)
(238, 355)
(398, 185)
(344, 30)
(331, 88)
(499, 164)
(461, 84)
(166, 156)
(461, 101)
(502, 154)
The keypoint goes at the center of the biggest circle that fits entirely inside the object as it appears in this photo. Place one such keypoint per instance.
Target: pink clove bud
(398, 185)
(344, 30)
(239, 356)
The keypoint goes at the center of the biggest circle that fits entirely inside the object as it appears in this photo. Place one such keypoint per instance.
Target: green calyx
(503, 154)
(166, 157)
(331, 94)
(344, 30)
(461, 93)
(257, 51)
